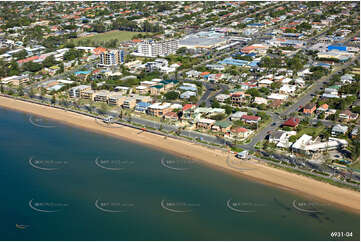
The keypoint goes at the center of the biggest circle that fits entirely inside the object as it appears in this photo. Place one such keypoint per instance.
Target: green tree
(20, 91)
(172, 95)
(103, 108)
(253, 92)
(32, 66)
(49, 61)
(215, 104)
(53, 99)
(292, 139)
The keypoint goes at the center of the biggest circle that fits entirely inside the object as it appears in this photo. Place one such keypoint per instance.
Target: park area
(105, 37)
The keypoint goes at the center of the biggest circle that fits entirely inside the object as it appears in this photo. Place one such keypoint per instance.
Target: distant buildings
(155, 49)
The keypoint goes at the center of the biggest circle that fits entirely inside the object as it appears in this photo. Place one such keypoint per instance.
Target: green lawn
(310, 130)
(356, 165)
(119, 35)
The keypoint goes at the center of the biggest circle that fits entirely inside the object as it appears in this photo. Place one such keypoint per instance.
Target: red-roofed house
(171, 115)
(292, 122)
(309, 109)
(250, 119)
(188, 107)
(27, 59)
(240, 132)
(188, 110)
(322, 108)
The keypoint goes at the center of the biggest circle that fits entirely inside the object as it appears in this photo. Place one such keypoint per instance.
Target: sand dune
(215, 158)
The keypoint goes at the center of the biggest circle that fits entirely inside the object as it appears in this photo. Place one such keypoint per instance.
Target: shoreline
(213, 158)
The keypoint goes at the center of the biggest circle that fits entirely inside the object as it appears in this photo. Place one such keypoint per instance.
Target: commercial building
(206, 40)
(161, 48)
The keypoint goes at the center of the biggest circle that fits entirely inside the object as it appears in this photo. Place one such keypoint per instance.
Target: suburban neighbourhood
(273, 80)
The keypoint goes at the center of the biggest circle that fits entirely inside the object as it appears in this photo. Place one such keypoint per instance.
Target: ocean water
(63, 183)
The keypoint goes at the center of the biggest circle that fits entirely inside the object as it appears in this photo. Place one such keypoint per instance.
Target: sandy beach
(308, 187)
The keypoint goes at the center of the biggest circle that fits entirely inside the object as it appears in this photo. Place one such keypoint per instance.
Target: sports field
(116, 34)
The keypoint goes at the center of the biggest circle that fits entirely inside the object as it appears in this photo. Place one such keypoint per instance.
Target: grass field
(119, 35)
(356, 165)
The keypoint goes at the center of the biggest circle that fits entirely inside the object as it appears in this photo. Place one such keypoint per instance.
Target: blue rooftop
(143, 104)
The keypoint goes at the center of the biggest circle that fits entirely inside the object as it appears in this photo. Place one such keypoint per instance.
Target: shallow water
(65, 183)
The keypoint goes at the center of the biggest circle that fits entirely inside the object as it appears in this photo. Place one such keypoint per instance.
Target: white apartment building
(161, 48)
(111, 58)
(78, 90)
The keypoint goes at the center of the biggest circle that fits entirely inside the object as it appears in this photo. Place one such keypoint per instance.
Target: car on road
(273, 124)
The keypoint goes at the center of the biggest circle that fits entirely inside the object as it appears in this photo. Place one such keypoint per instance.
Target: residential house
(275, 104)
(157, 89)
(347, 115)
(142, 107)
(265, 83)
(339, 129)
(291, 122)
(354, 133)
(171, 115)
(322, 108)
(205, 123)
(222, 97)
(277, 96)
(309, 109)
(141, 89)
(331, 92)
(188, 110)
(251, 119)
(347, 78)
(237, 115)
(260, 100)
(123, 90)
(239, 133)
(222, 126)
(168, 84)
(277, 136)
(188, 94)
(288, 89)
